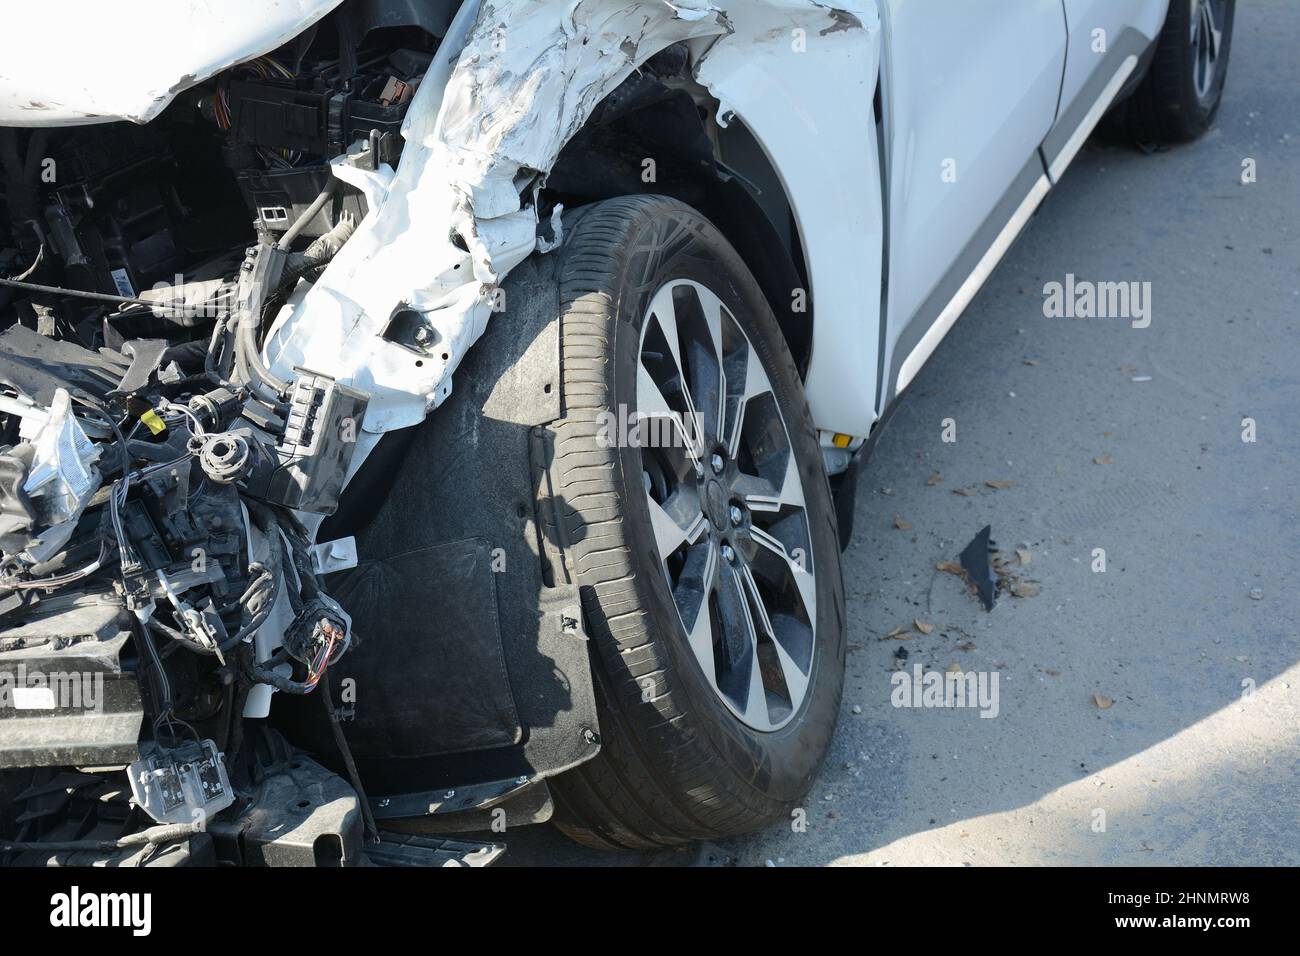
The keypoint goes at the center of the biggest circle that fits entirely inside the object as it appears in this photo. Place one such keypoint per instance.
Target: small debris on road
(979, 571)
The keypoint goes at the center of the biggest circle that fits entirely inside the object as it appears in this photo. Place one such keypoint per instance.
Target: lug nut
(727, 553)
(737, 516)
(717, 463)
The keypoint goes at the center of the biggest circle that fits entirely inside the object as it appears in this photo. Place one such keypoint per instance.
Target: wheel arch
(648, 137)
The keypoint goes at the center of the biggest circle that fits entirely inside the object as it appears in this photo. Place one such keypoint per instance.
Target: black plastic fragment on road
(979, 569)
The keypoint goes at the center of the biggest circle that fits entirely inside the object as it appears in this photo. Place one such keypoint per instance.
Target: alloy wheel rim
(1206, 41)
(727, 505)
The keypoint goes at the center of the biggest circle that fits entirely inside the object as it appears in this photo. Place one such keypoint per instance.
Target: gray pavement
(1160, 697)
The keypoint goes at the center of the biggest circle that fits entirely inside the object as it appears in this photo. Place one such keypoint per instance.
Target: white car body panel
(127, 60)
(776, 91)
(966, 118)
(1113, 17)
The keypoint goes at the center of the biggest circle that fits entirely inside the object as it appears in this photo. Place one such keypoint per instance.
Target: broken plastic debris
(62, 476)
(975, 562)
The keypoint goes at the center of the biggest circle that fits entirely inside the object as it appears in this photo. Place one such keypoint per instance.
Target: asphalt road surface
(1147, 714)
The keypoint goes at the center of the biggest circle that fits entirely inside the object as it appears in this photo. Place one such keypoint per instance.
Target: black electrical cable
(327, 697)
(149, 837)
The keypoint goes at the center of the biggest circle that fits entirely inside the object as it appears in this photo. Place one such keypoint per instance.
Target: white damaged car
(421, 417)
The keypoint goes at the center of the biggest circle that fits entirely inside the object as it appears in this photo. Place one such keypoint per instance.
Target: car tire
(686, 754)
(1177, 99)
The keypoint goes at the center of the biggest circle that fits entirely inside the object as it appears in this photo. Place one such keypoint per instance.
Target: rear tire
(677, 761)
(1177, 100)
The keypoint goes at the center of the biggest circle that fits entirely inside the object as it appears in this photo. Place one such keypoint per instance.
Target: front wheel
(686, 497)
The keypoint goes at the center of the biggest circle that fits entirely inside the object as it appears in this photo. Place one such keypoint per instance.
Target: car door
(970, 89)
(1106, 41)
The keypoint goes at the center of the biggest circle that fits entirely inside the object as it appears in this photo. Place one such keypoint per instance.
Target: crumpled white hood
(73, 62)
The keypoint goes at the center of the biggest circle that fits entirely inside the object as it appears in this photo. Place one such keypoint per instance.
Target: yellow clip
(153, 422)
(841, 441)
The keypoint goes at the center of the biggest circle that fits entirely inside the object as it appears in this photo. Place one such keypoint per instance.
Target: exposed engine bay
(158, 583)
(229, 305)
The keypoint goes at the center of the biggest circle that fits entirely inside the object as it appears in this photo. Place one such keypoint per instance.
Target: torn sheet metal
(510, 85)
(127, 61)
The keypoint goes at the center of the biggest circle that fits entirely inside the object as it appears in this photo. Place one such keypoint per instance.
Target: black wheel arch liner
(475, 686)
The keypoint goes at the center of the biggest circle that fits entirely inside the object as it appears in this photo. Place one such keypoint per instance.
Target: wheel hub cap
(730, 524)
(715, 502)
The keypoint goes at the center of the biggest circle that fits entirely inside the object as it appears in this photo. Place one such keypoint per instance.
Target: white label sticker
(123, 283)
(33, 698)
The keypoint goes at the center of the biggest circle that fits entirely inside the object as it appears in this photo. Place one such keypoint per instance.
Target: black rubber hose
(320, 252)
(308, 215)
(308, 264)
(247, 358)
